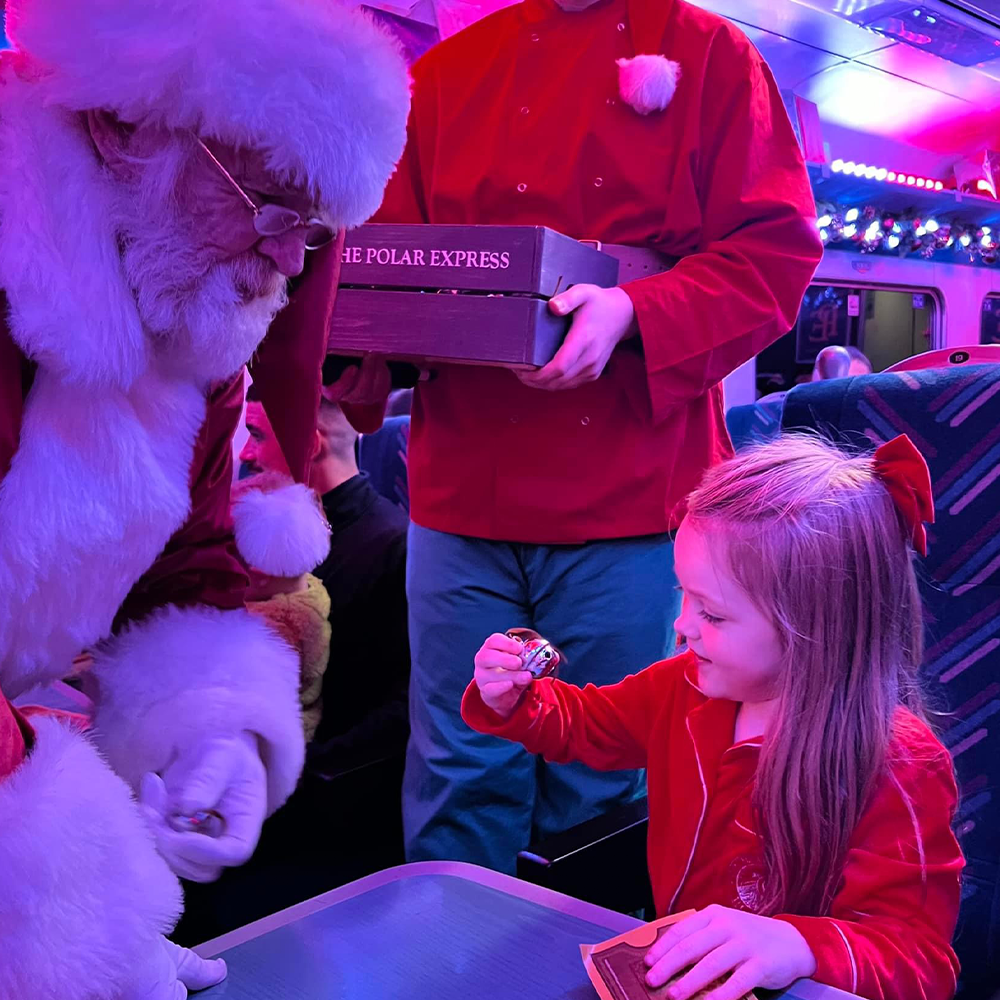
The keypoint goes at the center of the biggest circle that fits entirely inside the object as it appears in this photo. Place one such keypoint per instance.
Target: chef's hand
(602, 318)
(363, 385)
(223, 774)
(717, 941)
(499, 676)
(170, 972)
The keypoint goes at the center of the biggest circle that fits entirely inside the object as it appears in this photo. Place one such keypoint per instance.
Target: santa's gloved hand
(171, 972)
(221, 780)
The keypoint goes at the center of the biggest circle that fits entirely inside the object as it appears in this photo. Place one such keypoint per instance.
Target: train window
(886, 324)
(989, 326)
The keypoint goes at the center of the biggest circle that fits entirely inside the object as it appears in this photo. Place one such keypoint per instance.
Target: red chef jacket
(887, 935)
(518, 120)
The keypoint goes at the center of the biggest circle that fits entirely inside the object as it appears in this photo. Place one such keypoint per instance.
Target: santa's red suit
(115, 455)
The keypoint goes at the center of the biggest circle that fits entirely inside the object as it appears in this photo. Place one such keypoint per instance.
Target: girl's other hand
(718, 942)
(499, 676)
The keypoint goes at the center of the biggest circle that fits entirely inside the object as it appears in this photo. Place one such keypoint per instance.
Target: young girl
(798, 800)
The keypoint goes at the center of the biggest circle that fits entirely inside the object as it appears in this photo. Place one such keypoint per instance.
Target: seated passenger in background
(365, 711)
(832, 362)
(364, 714)
(798, 800)
(343, 821)
(840, 362)
(860, 363)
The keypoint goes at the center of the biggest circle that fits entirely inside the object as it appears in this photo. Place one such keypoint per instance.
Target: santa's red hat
(321, 90)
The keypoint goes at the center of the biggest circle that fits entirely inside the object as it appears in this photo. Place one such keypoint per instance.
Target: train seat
(383, 456)
(951, 410)
(753, 422)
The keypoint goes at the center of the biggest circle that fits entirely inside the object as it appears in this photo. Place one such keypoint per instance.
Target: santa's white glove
(223, 775)
(171, 972)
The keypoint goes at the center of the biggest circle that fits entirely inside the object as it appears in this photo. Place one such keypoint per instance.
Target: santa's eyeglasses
(275, 220)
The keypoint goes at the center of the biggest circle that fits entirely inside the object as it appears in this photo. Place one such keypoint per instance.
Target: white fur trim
(281, 532)
(647, 82)
(185, 673)
(95, 491)
(85, 895)
(322, 90)
(71, 309)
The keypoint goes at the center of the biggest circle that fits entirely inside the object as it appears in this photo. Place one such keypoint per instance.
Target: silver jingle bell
(538, 656)
(205, 821)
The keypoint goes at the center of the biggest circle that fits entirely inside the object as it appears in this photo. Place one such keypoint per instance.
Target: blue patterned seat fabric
(755, 422)
(953, 417)
(383, 456)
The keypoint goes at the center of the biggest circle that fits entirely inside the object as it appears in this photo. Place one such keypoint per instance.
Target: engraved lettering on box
(470, 294)
(489, 260)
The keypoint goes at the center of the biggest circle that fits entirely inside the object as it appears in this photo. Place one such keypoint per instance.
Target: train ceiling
(889, 70)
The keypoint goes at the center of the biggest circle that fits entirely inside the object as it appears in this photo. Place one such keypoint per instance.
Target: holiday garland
(870, 230)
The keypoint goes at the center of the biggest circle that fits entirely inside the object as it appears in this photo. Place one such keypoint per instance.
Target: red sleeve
(287, 366)
(16, 738)
(606, 728)
(888, 935)
(200, 564)
(13, 373)
(758, 246)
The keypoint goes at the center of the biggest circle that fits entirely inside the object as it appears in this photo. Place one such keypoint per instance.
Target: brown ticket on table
(617, 970)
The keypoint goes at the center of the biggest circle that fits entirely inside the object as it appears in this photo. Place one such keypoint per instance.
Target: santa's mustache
(254, 275)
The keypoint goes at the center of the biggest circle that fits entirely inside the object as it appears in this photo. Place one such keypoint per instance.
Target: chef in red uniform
(548, 499)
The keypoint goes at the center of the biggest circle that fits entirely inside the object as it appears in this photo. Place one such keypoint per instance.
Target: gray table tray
(430, 931)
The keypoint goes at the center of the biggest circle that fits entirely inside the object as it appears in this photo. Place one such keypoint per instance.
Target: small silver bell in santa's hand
(205, 821)
(538, 656)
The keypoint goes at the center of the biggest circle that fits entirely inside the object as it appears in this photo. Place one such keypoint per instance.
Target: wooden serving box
(465, 294)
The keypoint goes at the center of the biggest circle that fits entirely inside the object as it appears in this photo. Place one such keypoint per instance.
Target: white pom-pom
(281, 532)
(648, 82)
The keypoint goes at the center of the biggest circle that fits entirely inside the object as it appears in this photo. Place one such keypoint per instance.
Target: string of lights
(849, 168)
(870, 230)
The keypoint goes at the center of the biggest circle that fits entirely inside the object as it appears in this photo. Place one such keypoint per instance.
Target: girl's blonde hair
(811, 534)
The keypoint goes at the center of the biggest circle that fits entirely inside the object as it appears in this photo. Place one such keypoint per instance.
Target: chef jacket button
(524, 111)
(598, 181)
(534, 36)
(621, 25)
(584, 421)
(522, 187)
(610, 101)
(513, 420)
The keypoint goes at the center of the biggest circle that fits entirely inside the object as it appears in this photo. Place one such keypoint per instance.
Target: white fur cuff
(648, 83)
(186, 673)
(85, 895)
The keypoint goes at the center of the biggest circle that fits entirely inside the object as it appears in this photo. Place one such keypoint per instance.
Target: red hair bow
(905, 475)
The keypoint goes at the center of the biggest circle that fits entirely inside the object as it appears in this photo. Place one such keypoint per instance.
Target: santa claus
(167, 168)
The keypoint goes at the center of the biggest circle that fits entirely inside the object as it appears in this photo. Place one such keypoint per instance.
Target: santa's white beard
(225, 317)
(205, 319)
(205, 324)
